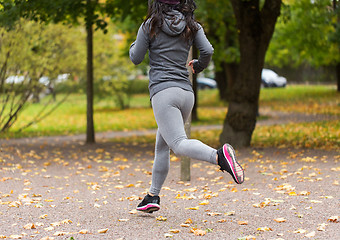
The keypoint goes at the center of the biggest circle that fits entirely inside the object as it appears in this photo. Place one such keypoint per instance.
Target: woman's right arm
(206, 51)
(139, 47)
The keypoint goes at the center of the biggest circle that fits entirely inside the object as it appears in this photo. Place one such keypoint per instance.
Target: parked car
(206, 83)
(272, 79)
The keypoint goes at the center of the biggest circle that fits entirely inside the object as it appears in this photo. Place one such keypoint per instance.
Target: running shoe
(149, 204)
(227, 162)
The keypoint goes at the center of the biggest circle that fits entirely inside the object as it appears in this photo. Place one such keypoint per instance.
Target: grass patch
(316, 135)
(319, 99)
(70, 117)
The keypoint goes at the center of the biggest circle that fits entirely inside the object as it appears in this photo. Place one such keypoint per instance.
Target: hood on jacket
(174, 23)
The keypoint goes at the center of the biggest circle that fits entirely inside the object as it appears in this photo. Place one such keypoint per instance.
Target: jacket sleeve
(139, 47)
(205, 48)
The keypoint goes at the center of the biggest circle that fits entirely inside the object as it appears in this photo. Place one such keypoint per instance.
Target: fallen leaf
(205, 202)
(161, 218)
(66, 221)
(188, 221)
(198, 232)
(222, 220)
(231, 213)
(185, 225)
(168, 235)
(242, 222)
(59, 233)
(15, 236)
(311, 234)
(280, 220)
(103, 230)
(300, 231)
(333, 219)
(174, 230)
(134, 211)
(84, 231)
(123, 220)
(304, 193)
(29, 226)
(193, 208)
(250, 237)
(214, 214)
(264, 229)
(322, 227)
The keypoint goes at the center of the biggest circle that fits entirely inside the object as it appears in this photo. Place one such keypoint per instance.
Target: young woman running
(168, 33)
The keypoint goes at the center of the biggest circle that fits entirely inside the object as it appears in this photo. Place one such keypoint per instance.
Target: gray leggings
(172, 107)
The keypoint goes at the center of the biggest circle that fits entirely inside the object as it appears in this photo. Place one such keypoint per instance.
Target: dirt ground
(63, 189)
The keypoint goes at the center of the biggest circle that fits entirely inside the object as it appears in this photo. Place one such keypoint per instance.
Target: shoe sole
(149, 208)
(231, 160)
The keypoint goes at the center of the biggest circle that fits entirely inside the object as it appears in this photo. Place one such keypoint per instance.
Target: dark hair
(157, 12)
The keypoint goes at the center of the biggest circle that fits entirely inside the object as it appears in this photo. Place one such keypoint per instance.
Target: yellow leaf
(213, 214)
(304, 193)
(188, 221)
(84, 231)
(242, 222)
(174, 230)
(231, 213)
(161, 218)
(264, 229)
(292, 194)
(193, 208)
(205, 202)
(15, 237)
(29, 226)
(103, 230)
(280, 220)
(185, 225)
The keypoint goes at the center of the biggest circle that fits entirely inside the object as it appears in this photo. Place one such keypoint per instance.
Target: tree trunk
(90, 135)
(220, 77)
(256, 28)
(226, 78)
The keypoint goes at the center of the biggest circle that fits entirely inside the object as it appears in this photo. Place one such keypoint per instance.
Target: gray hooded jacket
(168, 53)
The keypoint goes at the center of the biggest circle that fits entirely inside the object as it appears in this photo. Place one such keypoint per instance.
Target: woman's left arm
(139, 47)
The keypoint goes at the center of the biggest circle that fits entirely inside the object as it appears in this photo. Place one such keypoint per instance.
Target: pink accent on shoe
(150, 205)
(230, 160)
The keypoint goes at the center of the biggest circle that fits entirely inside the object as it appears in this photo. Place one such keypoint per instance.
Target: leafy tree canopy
(305, 33)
